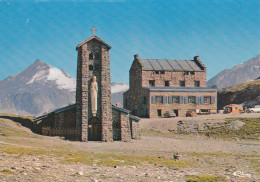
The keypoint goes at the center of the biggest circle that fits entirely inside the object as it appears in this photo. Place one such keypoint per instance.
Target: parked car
(191, 114)
(169, 114)
(255, 109)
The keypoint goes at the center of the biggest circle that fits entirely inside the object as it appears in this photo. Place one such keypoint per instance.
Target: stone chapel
(92, 117)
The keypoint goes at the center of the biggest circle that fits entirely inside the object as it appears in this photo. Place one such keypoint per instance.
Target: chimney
(136, 56)
(199, 63)
(196, 58)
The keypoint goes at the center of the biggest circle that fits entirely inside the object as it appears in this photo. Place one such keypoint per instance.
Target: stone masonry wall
(133, 97)
(116, 125)
(101, 69)
(136, 134)
(125, 127)
(61, 124)
(174, 78)
(106, 100)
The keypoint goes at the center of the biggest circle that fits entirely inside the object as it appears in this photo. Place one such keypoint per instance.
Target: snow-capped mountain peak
(49, 73)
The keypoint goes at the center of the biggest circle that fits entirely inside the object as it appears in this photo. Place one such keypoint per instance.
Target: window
(159, 99)
(207, 100)
(152, 82)
(97, 56)
(192, 99)
(192, 72)
(162, 72)
(197, 83)
(157, 72)
(144, 100)
(90, 56)
(90, 67)
(176, 99)
(182, 83)
(185, 73)
(159, 112)
(167, 83)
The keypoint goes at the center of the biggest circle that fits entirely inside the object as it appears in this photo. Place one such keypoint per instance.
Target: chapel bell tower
(93, 90)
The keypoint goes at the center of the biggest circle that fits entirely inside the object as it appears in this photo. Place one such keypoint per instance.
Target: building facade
(158, 86)
(92, 118)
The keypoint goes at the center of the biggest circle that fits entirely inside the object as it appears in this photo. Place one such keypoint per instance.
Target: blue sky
(222, 33)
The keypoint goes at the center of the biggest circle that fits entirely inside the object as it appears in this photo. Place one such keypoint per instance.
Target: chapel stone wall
(93, 60)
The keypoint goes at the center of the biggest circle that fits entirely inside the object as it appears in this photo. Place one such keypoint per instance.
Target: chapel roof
(169, 65)
(91, 38)
(54, 112)
(120, 109)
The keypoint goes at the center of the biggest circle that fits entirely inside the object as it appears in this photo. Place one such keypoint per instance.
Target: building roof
(121, 109)
(55, 112)
(169, 65)
(180, 89)
(135, 118)
(40, 118)
(93, 37)
(64, 108)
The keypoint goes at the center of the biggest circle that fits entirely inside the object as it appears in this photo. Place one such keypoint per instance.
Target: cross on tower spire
(93, 30)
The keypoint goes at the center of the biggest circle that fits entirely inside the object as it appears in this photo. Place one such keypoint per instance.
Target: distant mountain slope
(42, 88)
(247, 93)
(39, 88)
(247, 71)
(117, 90)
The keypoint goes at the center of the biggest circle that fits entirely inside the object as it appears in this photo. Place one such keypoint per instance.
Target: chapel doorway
(94, 129)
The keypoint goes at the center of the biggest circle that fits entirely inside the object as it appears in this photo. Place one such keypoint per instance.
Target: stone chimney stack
(136, 56)
(196, 58)
(199, 63)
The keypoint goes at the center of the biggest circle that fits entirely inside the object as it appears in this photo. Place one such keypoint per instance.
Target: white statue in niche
(93, 94)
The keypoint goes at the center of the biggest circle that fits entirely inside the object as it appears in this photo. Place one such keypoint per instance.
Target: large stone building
(92, 117)
(158, 86)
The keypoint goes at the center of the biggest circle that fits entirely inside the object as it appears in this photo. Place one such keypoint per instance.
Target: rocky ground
(25, 156)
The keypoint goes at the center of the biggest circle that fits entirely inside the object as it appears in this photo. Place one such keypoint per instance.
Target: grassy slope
(240, 87)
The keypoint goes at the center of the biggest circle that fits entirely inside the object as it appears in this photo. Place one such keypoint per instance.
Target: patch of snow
(119, 87)
(54, 74)
(63, 81)
(40, 75)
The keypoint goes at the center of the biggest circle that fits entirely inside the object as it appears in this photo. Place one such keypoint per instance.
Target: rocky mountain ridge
(247, 94)
(241, 73)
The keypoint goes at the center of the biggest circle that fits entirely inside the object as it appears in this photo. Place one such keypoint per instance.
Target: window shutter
(165, 99)
(186, 100)
(212, 100)
(170, 99)
(197, 100)
(153, 99)
(202, 100)
(181, 99)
